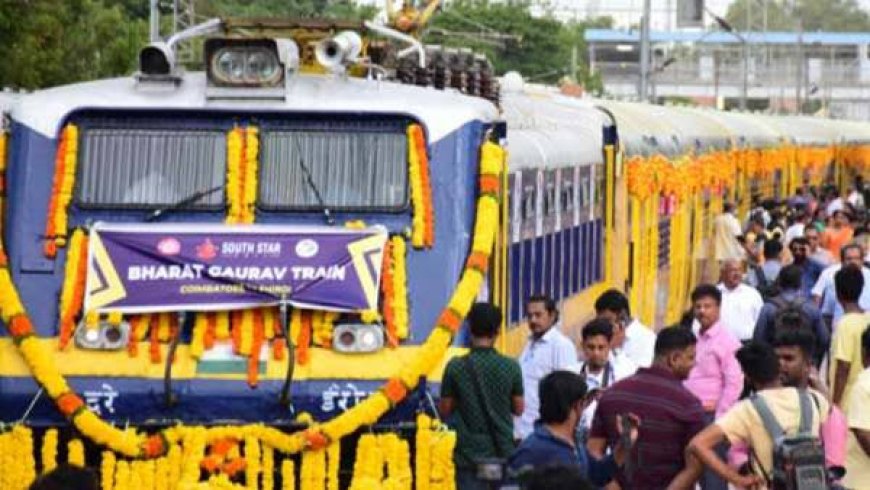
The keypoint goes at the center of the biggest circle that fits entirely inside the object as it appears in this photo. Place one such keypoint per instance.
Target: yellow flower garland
(398, 456)
(400, 287)
(72, 293)
(422, 224)
(242, 158)
(76, 453)
(333, 462)
(443, 476)
(288, 475)
(252, 458)
(107, 471)
(184, 467)
(48, 453)
(423, 448)
(122, 475)
(368, 469)
(268, 468)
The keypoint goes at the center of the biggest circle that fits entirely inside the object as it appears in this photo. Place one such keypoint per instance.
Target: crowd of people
(760, 385)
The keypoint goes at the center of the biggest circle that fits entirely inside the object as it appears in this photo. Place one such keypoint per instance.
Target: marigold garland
(400, 287)
(333, 461)
(423, 221)
(398, 455)
(252, 460)
(76, 453)
(268, 482)
(368, 468)
(48, 453)
(288, 475)
(242, 160)
(107, 471)
(61, 191)
(423, 452)
(122, 475)
(184, 467)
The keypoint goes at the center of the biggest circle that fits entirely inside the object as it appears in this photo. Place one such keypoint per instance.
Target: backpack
(798, 459)
(763, 285)
(786, 312)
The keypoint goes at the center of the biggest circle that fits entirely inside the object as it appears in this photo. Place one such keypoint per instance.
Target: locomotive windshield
(149, 168)
(355, 166)
(352, 170)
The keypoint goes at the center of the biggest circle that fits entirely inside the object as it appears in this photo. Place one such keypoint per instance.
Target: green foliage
(48, 42)
(342, 9)
(814, 15)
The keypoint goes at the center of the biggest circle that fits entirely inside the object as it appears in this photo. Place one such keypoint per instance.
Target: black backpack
(787, 310)
(798, 459)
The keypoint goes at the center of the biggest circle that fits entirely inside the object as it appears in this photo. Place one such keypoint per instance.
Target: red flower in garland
(20, 326)
(69, 403)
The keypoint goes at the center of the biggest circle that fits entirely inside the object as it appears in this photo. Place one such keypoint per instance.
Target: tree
(814, 15)
(45, 42)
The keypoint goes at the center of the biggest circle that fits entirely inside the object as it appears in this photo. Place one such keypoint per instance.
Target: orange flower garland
(423, 221)
(61, 191)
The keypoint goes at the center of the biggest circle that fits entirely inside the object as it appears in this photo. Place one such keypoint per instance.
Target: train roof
(745, 130)
(547, 129)
(643, 129)
(441, 111)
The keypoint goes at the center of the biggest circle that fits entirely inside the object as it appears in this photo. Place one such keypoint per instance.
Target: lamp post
(744, 93)
(643, 88)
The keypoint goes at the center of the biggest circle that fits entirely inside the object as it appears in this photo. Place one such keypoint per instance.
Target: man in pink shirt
(716, 378)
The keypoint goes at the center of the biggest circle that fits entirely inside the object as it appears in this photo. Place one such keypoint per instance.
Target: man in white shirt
(726, 229)
(599, 368)
(631, 338)
(741, 303)
(824, 292)
(546, 351)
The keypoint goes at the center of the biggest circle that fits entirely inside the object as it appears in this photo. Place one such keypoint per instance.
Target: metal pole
(744, 92)
(644, 52)
(799, 68)
(154, 27)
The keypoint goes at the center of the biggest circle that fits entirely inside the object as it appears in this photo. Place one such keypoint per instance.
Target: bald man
(741, 303)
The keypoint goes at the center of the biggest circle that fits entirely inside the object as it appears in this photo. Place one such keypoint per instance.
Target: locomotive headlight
(357, 338)
(244, 63)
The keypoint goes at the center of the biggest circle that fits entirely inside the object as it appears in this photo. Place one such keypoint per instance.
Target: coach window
(550, 198)
(528, 202)
(567, 195)
(352, 167)
(123, 167)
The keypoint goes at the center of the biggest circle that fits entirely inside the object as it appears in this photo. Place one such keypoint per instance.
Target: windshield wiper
(183, 203)
(327, 215)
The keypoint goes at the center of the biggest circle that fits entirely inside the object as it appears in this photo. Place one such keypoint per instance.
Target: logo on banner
(307, 248)
(169, 246)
